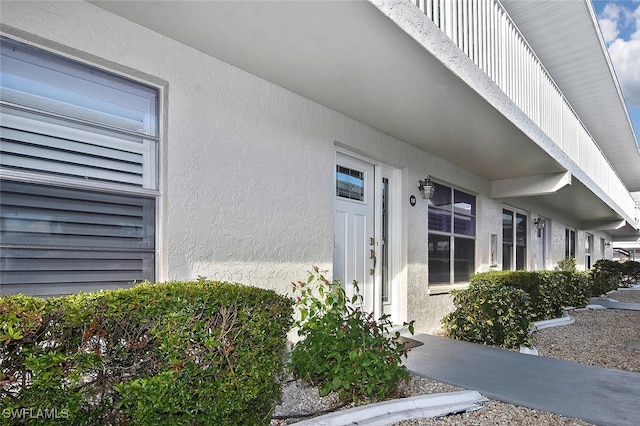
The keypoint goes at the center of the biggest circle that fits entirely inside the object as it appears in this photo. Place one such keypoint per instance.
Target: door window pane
(588, 244)
(521, 241)
(349, 183)
(507, 240)
(385, 241)
(514, 240)
(570, 243)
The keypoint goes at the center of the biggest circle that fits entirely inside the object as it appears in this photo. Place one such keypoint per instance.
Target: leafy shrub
(606, 275)
(559, 290)
(344, 349)
(549, 291)
(491, 314)
(202, 353)
(567, 264)
(630, 273)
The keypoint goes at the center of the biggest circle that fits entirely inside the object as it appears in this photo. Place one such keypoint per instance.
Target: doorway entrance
(362, 232)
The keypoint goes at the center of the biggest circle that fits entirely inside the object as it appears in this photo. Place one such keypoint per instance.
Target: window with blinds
(78, 161)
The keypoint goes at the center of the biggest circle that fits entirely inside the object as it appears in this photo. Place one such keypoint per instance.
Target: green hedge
(630, 273)
(550, 291)
(178, 353)
(490, 314)
(499, 307)
(606, 275)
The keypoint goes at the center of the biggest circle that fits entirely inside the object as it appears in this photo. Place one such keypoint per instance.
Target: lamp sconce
(426, 188)
(539, 224)
(608, 244)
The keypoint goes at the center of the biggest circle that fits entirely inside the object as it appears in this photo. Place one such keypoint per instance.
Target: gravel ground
(598, 337)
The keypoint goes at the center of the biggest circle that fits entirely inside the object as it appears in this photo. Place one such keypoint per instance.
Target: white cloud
(611, 11)
(609, 29)
(625, 56)
(610, 21)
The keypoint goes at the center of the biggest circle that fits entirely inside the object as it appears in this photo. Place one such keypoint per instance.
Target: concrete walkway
(596, 395)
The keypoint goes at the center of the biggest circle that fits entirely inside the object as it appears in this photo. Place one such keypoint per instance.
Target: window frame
(149, 188)
(450, 213)
(589, 246)
(570, 236)
(517, 263)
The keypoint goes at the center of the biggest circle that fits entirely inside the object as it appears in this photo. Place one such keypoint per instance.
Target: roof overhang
(386, 72)
(350, 57)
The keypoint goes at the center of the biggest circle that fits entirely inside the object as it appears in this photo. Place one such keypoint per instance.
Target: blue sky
(620, 25)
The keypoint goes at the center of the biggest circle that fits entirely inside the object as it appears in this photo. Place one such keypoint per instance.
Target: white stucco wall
(247, 173)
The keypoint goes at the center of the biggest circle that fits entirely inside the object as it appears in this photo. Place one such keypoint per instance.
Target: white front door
(355, 248)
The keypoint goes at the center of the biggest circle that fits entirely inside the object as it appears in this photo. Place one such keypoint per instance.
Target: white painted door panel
(354, 235)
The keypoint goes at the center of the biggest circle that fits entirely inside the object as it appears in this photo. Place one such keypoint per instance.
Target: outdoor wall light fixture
(426, 188)
(539, 224)
(608, 244)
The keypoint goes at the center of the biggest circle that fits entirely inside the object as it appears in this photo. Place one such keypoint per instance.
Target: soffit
(566, 37)
(353, 59)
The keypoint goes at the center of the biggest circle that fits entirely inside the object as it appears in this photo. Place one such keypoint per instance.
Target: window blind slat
(56, 148)
(79, 148)
(61, 199)
(61, 128)
(66, 169)
(28, 213)
(48, 228)
(62, 277)
(70, 110)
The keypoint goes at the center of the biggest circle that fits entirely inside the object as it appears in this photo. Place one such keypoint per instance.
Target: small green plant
(344, 349)
(567, 264)
(492, 315)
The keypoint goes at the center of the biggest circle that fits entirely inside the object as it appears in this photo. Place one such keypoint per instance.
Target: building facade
(403, 145)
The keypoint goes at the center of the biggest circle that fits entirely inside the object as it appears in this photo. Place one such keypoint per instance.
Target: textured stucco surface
(246, 191)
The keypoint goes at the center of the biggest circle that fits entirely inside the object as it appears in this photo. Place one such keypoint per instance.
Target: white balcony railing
(488, 36)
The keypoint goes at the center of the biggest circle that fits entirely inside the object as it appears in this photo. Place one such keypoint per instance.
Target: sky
(620, 25)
